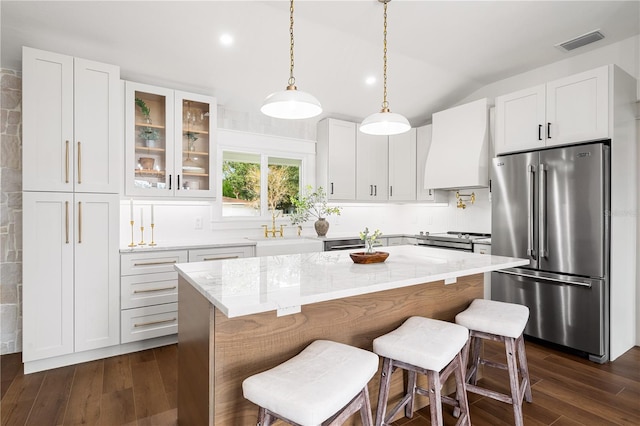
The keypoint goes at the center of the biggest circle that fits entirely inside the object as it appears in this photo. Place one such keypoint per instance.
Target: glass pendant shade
(291, 104)
(385, 123)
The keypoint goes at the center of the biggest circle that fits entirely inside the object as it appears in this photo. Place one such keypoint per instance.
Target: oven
(451, 240)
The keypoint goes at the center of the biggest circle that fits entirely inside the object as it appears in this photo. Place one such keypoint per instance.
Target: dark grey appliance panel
(571, 315)
(572, 210)
(514, 204)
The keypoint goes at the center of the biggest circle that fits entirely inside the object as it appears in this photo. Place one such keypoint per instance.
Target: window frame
(265, 146)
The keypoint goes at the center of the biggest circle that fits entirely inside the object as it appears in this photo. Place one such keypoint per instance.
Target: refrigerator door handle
(542, 278)
(543, 212)
(530, 208)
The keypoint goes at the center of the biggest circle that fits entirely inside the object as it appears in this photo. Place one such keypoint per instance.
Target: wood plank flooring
(140, 389)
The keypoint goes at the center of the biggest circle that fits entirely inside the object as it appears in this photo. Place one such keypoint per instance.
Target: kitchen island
(242, 316)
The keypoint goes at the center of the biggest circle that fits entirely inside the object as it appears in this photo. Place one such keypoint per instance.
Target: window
(243, 175)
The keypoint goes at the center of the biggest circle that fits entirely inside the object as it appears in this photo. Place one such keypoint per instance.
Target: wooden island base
(216, 353)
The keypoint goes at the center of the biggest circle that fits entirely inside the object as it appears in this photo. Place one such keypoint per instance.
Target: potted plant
(370, 239)
(144, 109)
(149, 135)
(313, 203)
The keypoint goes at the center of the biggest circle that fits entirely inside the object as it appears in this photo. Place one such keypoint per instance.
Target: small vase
(369, 246)
(322, 226)
(151, 143)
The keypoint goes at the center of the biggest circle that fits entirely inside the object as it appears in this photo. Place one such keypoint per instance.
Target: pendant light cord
(292, 79)
(385, 104)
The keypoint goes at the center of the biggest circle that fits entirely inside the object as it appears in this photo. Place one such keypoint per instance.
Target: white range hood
(459, 153)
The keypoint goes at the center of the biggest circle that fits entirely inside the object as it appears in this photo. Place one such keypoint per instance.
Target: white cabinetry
(169, 142)
(372, 167)
(569, 110)
(71, 124)
(336, 158)
(402, 166)
(149, 288)
(70, 291)
(71, 170)
(423, 143)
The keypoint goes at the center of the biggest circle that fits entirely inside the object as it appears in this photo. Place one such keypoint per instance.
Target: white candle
(152, 222)
(141, 217)
(131, 205)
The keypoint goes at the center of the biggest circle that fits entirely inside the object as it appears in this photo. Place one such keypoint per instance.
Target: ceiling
(438, 51)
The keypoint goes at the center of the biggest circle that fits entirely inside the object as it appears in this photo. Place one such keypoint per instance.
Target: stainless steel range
(452, 240)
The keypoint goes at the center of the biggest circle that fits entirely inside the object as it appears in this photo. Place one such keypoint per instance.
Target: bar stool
(502, 322)
(324, 384)
(429, 347)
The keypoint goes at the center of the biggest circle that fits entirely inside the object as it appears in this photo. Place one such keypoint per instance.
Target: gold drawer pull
(165, 262)
(220, 258)
(144, 324)
(66, 162)
(79, 162)
(154, 289)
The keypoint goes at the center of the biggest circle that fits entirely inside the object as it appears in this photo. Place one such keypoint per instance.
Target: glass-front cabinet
(170, 139)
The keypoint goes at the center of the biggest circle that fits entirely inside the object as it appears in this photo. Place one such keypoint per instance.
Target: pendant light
(385, 122)
(291, 103)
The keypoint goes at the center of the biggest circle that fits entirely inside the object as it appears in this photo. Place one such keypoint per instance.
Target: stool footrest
(491, 394)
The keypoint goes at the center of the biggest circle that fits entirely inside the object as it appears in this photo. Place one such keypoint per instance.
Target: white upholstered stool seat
(324, 384)
(503, 322)
(423, 346)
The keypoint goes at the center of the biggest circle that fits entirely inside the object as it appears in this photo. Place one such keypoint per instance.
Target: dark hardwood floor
(140, 389)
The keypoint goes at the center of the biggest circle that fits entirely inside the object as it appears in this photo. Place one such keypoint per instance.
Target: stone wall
(11, 212)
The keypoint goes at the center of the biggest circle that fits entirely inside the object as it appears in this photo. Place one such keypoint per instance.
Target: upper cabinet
(569, 110)
(459, 152)
(169, 142)
(402, 166)
(423, 143)
(71, 124)
(372, 167)
(336, 158)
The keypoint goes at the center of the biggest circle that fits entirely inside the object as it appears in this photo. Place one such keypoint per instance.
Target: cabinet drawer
(149, 322)
(204, 255)
(148, 289)
(149, 263)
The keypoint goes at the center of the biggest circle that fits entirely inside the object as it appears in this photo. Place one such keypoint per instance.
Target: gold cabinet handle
(219, 258)
(144, 324)
(79, 162)
(66, 163)
(79, 222)
(166, 262)
(151, 290)
(66, 221)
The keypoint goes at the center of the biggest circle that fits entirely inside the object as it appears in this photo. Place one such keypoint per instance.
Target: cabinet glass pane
(151, 141)
(195, 145)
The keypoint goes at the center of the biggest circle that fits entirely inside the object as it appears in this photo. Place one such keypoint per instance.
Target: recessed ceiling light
(370, 80)
(226, 39)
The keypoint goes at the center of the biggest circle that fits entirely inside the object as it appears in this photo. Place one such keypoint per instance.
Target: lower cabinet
(70, 274)
(149, 288)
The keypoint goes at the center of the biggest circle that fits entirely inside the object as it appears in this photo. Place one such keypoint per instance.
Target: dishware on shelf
(147, 163)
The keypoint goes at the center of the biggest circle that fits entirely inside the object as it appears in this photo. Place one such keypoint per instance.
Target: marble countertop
(187, 245)
(284, 283)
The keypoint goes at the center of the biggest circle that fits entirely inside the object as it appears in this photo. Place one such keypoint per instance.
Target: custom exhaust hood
(459, 153)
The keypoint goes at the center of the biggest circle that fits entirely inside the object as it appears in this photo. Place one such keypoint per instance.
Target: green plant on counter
(311, 203)
(370, 239)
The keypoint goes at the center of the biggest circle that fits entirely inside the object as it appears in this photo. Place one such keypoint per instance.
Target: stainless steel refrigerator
(552, 207)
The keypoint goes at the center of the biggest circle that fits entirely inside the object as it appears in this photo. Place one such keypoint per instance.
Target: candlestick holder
(132, 243)
(152, 243)
(142, 243)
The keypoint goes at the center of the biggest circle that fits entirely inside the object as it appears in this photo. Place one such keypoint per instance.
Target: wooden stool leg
(472, 374)
(461, 392)
(512, 364)
(524, 369)
(383, 394)
(435, 398)
(264, 418)
(365, 409)
(411, 390)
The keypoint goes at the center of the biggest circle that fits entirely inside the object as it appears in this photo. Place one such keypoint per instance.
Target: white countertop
(186, 245)
(284, 283)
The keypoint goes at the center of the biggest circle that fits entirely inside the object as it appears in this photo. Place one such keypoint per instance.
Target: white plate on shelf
(192, 169)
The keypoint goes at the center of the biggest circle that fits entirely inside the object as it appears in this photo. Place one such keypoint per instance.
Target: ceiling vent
(580, 41)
